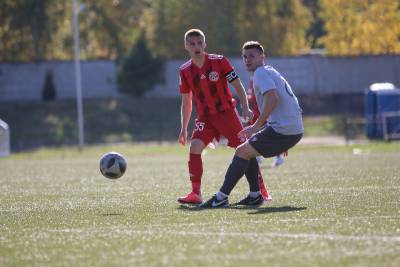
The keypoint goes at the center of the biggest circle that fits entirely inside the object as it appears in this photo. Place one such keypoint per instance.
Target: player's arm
(186, 112)
(234, 79)
(271, 100)
(241, 93)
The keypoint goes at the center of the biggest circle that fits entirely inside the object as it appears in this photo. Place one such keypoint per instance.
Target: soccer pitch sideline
(332, 206)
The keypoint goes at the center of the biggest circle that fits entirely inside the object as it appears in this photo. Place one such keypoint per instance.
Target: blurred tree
(25, 29)
(316, 29)
(108, 28)
(141, 70)
(40, 30)
(49, 89)
(37, 30)
(172, 19)
(279, 25)
(361, 27)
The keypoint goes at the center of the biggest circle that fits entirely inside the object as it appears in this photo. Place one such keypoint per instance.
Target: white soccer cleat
(278, 161)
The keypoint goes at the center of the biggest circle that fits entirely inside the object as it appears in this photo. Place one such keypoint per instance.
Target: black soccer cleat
(213, 203)
(251, 201)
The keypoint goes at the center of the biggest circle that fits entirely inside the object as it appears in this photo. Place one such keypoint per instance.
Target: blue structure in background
(383, 111)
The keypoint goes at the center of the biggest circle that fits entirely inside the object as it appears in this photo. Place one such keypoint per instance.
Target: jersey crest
(213, 76)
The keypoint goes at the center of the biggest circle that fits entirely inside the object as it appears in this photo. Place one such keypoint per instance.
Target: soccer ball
(112, 165)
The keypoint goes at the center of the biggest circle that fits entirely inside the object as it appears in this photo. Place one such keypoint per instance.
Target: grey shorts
(269, 143)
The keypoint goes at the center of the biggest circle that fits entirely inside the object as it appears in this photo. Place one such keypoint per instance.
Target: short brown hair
(253, 44)
(194, 32)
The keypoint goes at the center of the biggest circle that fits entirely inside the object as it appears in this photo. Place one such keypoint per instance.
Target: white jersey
(286, 117)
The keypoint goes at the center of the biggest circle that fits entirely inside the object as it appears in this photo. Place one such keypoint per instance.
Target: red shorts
(226, 123)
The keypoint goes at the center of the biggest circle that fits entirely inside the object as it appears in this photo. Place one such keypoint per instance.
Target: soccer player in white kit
(278, 128)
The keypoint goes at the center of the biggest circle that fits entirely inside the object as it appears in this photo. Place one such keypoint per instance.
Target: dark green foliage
(141, 70)
(316, 29)
(26, 29)
(106, 121)
(49, 91)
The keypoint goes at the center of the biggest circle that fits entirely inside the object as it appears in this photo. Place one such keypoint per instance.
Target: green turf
(332, 206)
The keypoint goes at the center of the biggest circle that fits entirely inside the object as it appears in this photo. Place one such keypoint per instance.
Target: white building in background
(4, 139)
(25, 81)
(310, 74)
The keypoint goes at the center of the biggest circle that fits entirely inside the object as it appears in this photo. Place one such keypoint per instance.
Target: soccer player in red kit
(204, 78)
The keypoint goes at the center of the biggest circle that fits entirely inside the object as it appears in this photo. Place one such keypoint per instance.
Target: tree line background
(42, 30)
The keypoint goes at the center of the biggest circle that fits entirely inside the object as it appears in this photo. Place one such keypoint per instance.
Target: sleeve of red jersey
(228, 70)
(183, 86)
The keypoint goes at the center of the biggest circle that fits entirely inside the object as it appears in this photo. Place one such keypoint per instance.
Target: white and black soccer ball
(112, 165)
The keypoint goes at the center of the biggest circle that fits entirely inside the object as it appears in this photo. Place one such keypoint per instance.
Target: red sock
(263, 188)
(195, 172)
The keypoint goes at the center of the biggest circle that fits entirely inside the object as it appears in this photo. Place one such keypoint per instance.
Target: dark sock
(235, 171)
(252, 175)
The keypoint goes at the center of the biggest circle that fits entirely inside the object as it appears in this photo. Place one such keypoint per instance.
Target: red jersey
(208, 84)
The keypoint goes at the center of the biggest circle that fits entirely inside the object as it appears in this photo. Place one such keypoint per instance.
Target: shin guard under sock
(195, 172)
(235, 171)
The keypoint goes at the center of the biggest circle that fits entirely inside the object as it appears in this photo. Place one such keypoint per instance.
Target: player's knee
(196, 146)
(243, 152)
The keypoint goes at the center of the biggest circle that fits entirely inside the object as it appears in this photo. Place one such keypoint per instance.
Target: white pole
(78, 74)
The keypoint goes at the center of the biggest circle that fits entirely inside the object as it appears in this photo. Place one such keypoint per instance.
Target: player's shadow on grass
(189, 207)
(256, 210)
(112, 214)
(262, 210)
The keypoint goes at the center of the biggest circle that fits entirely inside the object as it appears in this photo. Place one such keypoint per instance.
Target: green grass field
(332, 206)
